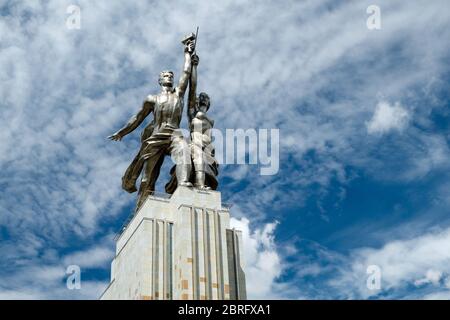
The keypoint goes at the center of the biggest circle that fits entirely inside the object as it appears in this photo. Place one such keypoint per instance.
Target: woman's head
(203, 102)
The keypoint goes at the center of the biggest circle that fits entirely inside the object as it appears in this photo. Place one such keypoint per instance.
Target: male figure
(163, 136)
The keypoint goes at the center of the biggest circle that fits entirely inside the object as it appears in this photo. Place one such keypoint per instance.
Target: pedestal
(180, 247)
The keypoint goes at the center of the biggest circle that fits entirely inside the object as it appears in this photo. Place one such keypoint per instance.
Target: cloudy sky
(364, 139)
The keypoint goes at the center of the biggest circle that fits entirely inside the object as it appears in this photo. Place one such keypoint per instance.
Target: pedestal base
(179, 248)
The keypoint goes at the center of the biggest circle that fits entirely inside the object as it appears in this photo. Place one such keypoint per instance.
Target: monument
(178, 245)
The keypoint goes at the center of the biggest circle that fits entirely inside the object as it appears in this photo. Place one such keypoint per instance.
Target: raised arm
(192, 97)
(187, 68)
(135, 121)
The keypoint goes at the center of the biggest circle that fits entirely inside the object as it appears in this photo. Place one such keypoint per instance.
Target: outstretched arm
(135, 121)
(187, 69)
(192, 97)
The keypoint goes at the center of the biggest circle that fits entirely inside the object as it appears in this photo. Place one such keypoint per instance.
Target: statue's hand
(195, 60)
(115, 137)
(189, 46)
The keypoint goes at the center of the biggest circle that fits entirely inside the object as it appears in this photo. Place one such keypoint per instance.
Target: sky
(363, 119)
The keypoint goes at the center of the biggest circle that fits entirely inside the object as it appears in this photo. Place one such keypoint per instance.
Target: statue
(163, 135)
(206, 167)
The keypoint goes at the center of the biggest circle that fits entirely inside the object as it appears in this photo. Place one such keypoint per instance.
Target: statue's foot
(186, 184)
(203, 187)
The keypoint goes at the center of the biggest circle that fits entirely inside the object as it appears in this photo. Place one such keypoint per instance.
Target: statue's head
(166, 78)
(203, 102)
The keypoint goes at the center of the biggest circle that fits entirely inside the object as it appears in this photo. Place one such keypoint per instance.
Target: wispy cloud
(314, 71)
(46, 278)
(419, 261)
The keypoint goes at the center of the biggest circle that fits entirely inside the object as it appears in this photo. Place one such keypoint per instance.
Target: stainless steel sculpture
(202, 150)
(163, 136)
(184, 245)
(206, 166)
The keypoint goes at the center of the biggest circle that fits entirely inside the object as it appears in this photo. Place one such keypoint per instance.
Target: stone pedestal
(180, 247)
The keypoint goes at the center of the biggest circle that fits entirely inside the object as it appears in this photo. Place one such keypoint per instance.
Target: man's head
(166, 78)
(203, 102)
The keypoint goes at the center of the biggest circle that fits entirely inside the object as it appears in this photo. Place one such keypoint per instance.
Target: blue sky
(364, 139)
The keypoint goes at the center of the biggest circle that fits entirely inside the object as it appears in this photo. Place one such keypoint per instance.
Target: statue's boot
(200, 180)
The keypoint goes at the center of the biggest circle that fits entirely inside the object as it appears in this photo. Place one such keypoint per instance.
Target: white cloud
(441, 295)
(388, 117)
(263, 263)
(447, 282)
(95, 257)
(417, 261)
(431, 276)
(51, 290)
(46, 279)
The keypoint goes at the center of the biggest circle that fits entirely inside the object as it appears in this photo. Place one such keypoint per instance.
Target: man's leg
(181, 155)
(152, 168)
